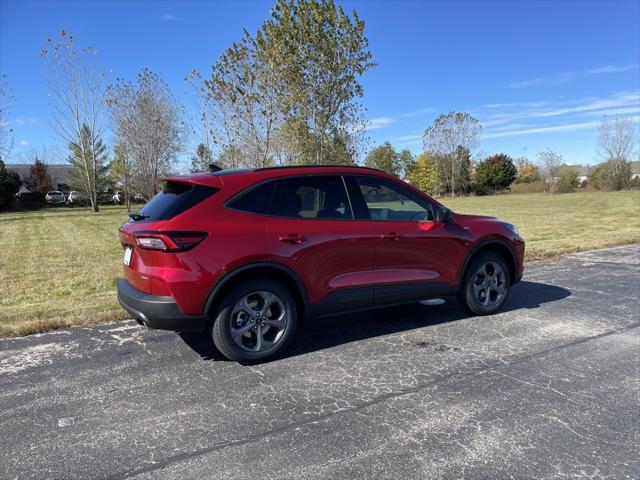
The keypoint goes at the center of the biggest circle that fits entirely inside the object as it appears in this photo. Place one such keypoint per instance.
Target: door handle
(390, 236)
(293, 238)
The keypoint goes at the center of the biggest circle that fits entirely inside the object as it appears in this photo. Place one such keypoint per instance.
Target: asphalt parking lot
(549, 388)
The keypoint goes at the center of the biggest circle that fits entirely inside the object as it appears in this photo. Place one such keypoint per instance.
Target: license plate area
(128, 251)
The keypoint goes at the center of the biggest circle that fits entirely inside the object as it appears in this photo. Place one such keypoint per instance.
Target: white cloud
(611, 69)
(556, 79)
(618, 102)
(381, 122)
(548, 129)
(169, 17)
(23, 143)
(21, 121)
(408, 138)
(417, 113)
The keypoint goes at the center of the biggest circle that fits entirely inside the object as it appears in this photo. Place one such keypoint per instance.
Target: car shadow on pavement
(319, 334)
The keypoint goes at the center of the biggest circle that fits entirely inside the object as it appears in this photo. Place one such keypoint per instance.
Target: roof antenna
(213, 168)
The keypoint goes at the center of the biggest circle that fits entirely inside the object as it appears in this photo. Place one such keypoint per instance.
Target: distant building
(60, 173)
(635, 169)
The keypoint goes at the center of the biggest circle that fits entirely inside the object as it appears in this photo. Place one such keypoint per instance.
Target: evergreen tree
(9, 185)
(88, 165)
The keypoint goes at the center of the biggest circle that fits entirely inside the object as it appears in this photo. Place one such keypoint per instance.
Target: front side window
(390, 202)
(312, 197)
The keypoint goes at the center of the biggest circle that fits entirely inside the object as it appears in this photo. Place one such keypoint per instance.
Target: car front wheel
(486, 285)
(255, 321)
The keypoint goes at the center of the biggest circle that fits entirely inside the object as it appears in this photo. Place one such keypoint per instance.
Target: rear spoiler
(205, 179)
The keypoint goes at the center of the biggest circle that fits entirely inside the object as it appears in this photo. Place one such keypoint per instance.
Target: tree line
(446, 167)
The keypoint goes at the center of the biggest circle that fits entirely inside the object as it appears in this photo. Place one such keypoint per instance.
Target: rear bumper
(157, 311)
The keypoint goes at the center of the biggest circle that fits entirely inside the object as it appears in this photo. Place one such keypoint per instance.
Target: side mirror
(441, 214)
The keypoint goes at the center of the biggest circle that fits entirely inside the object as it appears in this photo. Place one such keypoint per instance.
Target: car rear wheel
(486, 285)
(256, 320)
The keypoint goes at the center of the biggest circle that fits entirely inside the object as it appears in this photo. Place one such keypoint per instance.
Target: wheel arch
(494, 245)
(273, 270)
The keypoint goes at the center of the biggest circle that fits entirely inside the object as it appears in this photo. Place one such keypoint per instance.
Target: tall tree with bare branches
(550, 165)
(451, 138)
(147, 123)
(618, 143)
(77, 86)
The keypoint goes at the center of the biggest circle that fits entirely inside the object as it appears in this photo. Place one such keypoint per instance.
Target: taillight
(169, 241)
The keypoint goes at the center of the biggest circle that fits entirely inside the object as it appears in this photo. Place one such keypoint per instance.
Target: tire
(479, 280)
(261, 307)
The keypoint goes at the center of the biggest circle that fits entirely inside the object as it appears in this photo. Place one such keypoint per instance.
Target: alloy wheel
(258, 321)
(489, 285)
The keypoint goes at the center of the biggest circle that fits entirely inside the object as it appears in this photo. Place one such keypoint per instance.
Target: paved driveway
(550, 388)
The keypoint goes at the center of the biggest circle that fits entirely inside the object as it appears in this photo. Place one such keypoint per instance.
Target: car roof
(217, 177)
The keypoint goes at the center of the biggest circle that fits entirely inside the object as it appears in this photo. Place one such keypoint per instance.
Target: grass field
(58, 266)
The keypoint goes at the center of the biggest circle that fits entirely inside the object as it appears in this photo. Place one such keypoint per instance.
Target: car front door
(312, 231)
(415, 256)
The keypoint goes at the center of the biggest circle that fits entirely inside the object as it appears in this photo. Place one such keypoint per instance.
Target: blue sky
(537, 74)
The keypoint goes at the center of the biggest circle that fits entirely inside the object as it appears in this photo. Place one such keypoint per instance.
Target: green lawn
(58, 266)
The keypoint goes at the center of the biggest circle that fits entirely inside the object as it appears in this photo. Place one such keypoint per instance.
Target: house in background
(635, 169)
(60, 174)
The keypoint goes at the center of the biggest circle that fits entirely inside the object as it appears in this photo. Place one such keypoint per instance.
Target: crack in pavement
(364, 405)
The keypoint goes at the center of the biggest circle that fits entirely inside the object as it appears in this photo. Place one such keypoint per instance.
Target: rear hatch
(150, 240)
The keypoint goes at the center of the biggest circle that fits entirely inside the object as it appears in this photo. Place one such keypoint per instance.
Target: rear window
(255, 200)
(175, 198)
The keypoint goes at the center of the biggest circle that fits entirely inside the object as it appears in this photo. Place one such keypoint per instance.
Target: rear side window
(255, 200)
(175, 198)
(312, 197)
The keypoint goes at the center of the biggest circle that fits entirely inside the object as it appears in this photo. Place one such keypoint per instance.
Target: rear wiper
(137, 216)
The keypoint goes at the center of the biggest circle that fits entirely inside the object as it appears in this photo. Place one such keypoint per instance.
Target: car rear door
(312, 231)
(415, 257)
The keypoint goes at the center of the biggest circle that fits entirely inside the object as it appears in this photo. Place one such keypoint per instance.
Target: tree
(422, 173)
(39, 180)
(604, 177)
(202, 159)
(550, 162)
(405, 162)
(568, 181)
(88, 164)
(385, 158)
(120, 171)
(147, 124)
(288, 93)
(451, 137)
(9, 185)
(494, 174)
(77, 99)
(527, 171)
(618, 139)
(230, 157)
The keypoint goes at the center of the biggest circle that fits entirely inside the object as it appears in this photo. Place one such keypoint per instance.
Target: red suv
(247, 254)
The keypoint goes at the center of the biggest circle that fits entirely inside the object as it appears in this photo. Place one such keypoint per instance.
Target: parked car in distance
(77, 198)
(246, 255)
(55, 198)
(28, 199)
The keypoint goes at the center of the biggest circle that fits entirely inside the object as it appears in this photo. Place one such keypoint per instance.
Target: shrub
(494, 174)
(568, 181)
(9, 186)
(531, 187)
